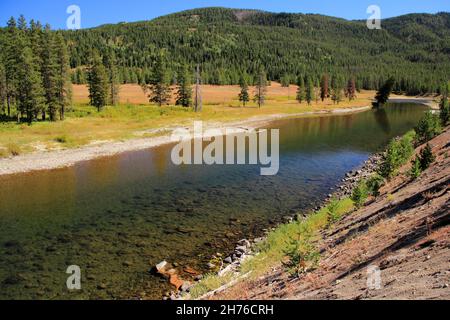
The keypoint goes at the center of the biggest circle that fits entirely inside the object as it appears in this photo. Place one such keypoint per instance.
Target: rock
(176, 281)
(191, 271)
(228, 260)
(127, 263)
(241, 249)
(101, 286)
(198, 278)
(163, 269)
(186, 286)
(210, 265)
(244, 242)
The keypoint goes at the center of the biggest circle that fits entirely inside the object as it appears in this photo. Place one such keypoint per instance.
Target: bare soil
(405, 233)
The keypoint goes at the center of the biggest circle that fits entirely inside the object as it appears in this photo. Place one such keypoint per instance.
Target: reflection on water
(117, 216)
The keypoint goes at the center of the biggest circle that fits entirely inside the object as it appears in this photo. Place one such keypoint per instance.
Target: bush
(13, 149)
(333, 211)
(429, 127)
(416, 169)
(444, 115)
(302, 254)
(399, 151)
(426, 157)
(374, 183)
(360, 194)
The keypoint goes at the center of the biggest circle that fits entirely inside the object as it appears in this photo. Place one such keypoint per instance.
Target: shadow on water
(116, 217)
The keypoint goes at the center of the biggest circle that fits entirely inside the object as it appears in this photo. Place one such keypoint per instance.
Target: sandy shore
(64, 158)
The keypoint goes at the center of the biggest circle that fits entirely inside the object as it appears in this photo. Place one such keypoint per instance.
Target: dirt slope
(405, 233)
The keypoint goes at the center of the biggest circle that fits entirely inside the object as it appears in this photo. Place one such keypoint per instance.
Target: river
(116, 217)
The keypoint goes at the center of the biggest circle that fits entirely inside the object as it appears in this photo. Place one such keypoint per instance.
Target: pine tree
(13, 46)
(385, 91)
(30, 93)
(324, 87)
(2, 87)
(62, 81)
(301, 89)
(309, 95)
(350, 90)
(444, 105)
(336, 89)
(110, 63)
(159, 87)
(97, 82)
(49, 69)
(285, 81)
(244, 96)
(184, 90)
(261, 89)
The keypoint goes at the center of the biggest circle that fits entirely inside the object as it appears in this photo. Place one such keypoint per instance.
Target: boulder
(163, 269)
(176, 281)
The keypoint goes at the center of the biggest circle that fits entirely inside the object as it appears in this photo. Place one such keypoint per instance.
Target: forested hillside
(415, 48)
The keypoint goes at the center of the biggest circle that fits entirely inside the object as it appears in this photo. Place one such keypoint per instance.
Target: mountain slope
(228, 42)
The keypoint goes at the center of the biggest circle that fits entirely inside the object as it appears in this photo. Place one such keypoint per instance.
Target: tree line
(286, 45)
(34, 72)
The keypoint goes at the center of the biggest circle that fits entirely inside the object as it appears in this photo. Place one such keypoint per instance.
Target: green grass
(272, 251)
(209, 283)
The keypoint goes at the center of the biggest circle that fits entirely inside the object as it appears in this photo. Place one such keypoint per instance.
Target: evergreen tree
(301, 89)
(261, 89)
(444, 105)
(324, 87)
(97, 82)
(30, 93)
(110, 63)
(62, 80)
(336, 89)
(285, 80)
(385, 91)
(184, 90)
(317, 91)
(350, 90)
(244, 96)
(2, 87)
(159, 86)
(309, 94)
(49, 69)
(14, 45)
(426, 157)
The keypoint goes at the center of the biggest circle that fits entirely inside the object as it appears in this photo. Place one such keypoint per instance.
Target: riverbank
(47, 160)
(403, 233)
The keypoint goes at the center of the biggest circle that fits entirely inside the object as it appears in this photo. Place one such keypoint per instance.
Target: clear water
(116, 217)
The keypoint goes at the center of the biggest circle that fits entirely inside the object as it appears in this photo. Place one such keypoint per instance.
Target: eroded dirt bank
(405, 233)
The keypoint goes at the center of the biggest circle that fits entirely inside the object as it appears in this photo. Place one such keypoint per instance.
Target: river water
(116, 217)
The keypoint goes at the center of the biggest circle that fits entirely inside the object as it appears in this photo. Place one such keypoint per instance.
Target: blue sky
(97, 12)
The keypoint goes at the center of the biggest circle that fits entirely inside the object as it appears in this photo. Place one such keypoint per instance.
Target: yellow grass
(135, 114)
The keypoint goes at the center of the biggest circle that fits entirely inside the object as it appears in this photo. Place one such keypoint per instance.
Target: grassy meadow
(135, 117)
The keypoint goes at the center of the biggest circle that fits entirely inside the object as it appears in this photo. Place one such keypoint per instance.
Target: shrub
(360, 194)
(429, 127)
(399, 151)
(374, 183)
(426, 157)
(416, 169)
(444, 115)
(302, 254)
(13, 149)
(61, 139)
(333, 211)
